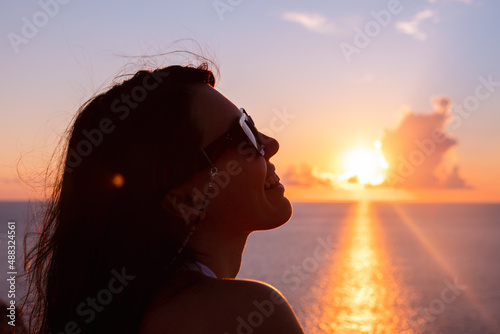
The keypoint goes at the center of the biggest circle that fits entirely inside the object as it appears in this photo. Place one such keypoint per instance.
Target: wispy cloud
(314, 22)
(412, 27)
(10, 180)
(464, 1)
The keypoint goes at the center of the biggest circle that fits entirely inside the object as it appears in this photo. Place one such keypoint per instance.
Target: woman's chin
(280, 213)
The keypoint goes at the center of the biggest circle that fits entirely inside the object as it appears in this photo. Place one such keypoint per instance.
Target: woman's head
(131, 189)
(239, 202)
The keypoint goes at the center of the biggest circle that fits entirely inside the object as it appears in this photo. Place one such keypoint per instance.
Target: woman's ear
(182, 206)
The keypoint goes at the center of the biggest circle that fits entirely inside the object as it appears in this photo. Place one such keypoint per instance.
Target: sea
(364, 267)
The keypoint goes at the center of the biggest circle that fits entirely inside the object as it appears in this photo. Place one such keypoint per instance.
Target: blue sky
(272, 55)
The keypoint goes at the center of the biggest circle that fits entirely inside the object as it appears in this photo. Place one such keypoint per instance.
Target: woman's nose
(271, 145)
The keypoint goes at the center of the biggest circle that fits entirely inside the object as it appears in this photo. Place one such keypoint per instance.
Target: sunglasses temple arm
(206, 156)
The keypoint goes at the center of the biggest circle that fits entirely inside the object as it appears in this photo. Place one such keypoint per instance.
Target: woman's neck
(221, 253)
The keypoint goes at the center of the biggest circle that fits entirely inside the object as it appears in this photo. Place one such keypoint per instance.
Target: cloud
(417, 150)
(454, 180)
(412, 27)
(463, 1)
(314, 22)
(305, 176)
(10, 180)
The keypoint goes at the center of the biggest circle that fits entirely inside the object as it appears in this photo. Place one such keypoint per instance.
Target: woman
(163, 180)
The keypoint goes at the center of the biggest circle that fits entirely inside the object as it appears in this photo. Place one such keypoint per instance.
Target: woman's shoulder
(222, 306)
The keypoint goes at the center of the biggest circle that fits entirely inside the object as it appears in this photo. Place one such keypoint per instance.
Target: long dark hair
(106, 241)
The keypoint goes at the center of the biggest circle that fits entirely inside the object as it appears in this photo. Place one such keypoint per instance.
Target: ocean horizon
(368, 267)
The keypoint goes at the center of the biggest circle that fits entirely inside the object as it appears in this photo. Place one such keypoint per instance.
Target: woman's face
(241, 200)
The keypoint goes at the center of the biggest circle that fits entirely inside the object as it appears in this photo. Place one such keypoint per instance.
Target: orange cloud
(416, 150)
(305, 176)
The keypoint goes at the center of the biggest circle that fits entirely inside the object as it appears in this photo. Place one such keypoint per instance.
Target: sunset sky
(380, 100)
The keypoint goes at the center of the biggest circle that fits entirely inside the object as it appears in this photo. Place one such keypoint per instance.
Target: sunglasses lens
(250, 134)
(253, 135)
(248, 127)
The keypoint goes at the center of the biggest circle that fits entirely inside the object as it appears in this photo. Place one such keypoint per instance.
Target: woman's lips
(272, 181)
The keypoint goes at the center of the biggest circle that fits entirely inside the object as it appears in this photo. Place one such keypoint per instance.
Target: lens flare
(118, 180)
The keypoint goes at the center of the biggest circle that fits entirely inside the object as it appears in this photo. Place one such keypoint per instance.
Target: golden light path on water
(359, 293)
(434, 252)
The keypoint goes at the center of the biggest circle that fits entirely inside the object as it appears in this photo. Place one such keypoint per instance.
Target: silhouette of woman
(162, 182)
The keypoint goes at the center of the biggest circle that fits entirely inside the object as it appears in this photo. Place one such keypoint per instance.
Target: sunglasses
(242, 130)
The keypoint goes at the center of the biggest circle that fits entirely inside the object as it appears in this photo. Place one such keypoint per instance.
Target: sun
(365, 165)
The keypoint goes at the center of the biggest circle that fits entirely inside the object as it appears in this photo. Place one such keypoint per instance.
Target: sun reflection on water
(360, 294)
